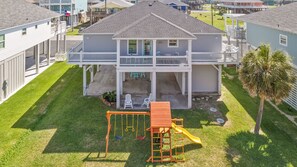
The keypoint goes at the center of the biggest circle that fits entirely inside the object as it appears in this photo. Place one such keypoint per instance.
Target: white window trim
(128, 47)
(283, 36)
(177, 44)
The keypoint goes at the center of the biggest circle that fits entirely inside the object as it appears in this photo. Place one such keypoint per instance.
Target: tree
(269, 75)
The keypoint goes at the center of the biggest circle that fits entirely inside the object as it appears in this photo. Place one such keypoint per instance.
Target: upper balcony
(228, 56)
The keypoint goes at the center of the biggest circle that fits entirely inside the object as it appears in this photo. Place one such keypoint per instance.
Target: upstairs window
(172, 43)
(132, 47)
(283, 40)
(36, 26)
(2, 41)
(24, 31)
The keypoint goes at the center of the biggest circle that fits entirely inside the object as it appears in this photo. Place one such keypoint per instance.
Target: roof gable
(115, 22)
(162, 29)
(19, 12)
(281, 18)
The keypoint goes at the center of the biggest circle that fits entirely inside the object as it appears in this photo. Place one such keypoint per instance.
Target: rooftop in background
(112, 4)
(13, 15)
(176, 2)
(132, 15)
(241, 1)
(282, 18)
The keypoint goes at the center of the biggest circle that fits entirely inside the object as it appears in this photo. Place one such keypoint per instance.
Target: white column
(84, 80)
(43, 49)
(57, 44)
(154, 52)
(190, 89)
(118, 90)
(118, 53)
(98, 68)
(123, 76)
(65, 43)
(154, 86)
(37, 58)
(121, 83)
(183, 83)
(92, 73)
(219, 79)
(190, 53)
(48, 55)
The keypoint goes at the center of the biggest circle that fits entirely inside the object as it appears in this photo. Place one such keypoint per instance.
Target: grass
(218, 21)
(76, 29)
(50, 123)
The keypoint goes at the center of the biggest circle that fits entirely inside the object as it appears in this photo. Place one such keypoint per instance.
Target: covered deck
(167, 88)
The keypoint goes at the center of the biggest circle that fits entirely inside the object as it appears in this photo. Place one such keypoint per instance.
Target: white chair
(147, 101)
(128, 101)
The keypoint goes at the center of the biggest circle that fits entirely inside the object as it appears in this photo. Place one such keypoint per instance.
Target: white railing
(58, 28)
(149, 60)
(77, 56)
(228, 55)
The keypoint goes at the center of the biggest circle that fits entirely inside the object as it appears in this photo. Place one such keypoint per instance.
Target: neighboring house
(22, 27)
(277, 27)
(176, 4)
(242, 6)
(70, 9)
(36, 2)
(97, 11)
(154, 40)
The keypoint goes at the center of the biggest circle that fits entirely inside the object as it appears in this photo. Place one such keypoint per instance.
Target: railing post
(190, 52)
(118, 53)
(154, 53)
(80, 57)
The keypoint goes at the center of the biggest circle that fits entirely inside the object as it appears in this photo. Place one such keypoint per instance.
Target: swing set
(161, 124)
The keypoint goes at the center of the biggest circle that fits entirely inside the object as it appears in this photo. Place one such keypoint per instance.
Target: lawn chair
(128, 101)
(147, 101)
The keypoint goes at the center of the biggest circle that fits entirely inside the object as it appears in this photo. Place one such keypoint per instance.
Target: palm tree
(267, 74)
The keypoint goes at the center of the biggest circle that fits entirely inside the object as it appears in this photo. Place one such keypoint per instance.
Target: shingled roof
(282, 18)
(179, 22)
(19, 12)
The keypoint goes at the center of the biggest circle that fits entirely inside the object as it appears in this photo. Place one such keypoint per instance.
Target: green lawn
(76, 29)
(218, 21)
(50, 123)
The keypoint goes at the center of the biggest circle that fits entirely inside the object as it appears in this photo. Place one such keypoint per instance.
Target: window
(132, 47)
(283, 40)
(36, 26)
(2, 41)
(48, 23)
(172, 43)
(24, 31)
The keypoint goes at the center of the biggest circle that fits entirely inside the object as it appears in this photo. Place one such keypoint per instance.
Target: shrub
(110, 96)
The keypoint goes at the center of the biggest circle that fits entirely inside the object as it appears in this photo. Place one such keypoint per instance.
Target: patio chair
(128, 101)
(147, 101)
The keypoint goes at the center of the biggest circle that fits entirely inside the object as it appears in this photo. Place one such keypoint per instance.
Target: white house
(22, 27)
(152, 48)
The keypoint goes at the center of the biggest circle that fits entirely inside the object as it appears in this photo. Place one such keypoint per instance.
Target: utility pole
(211, 9)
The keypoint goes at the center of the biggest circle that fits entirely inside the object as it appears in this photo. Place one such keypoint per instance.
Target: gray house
(277, 27)
(151, 48)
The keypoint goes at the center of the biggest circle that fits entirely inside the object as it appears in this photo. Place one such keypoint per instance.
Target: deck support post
(118, 90)
(121, 83)
(64, 43)
(48, 55)
(124, 76)
(37, 58)
(190, 89)
(154, 86)
(98, 68)
(92, 73)
(57, 44)
(84, 80)
(183, 83)
(219, 79)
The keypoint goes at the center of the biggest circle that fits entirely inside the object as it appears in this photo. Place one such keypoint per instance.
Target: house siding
(271, 36)
(99, 43)
(207, 43)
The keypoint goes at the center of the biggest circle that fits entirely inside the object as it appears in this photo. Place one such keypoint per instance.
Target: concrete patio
(167, 88)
